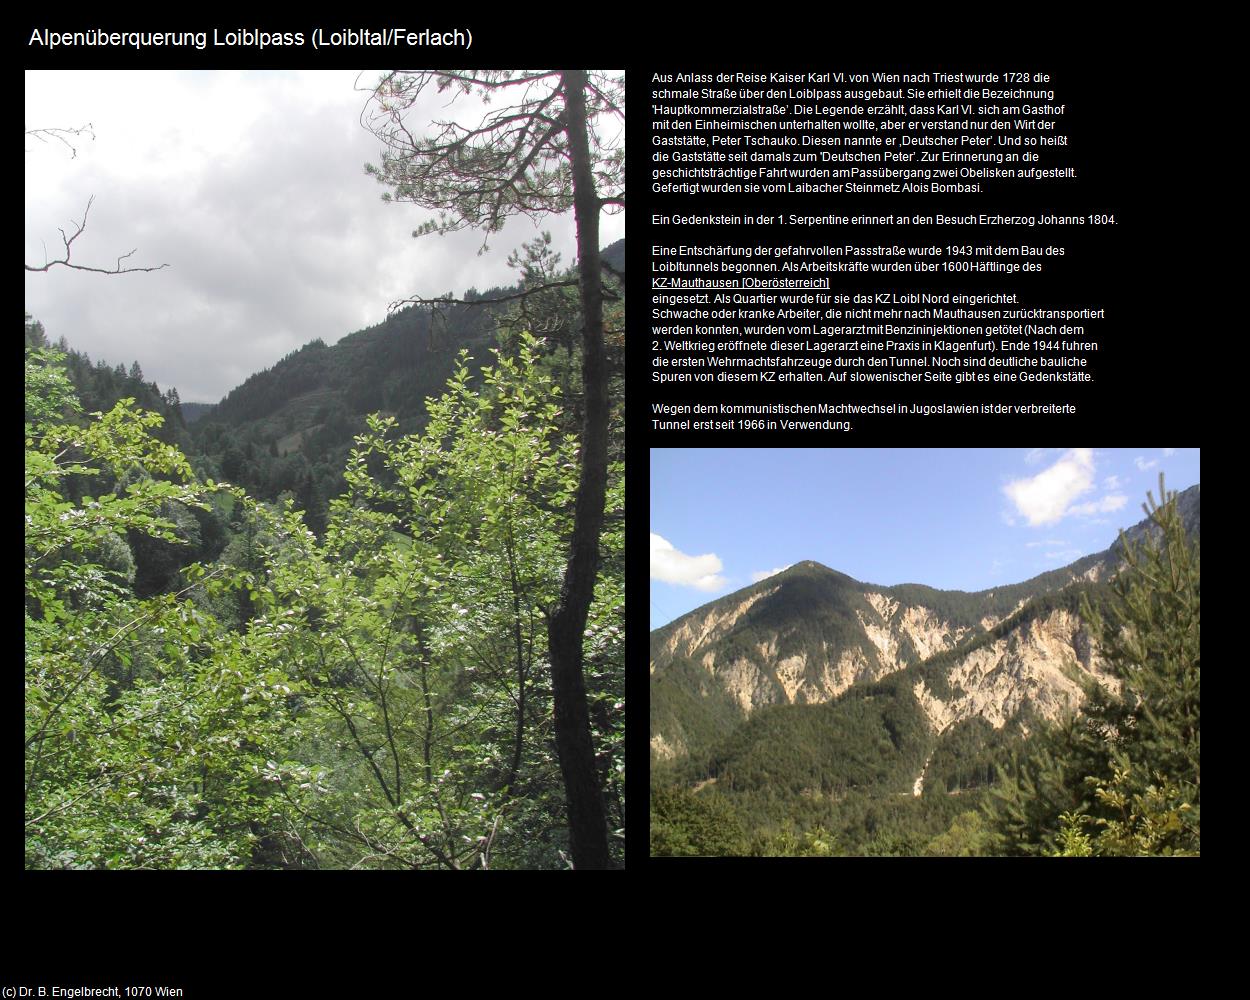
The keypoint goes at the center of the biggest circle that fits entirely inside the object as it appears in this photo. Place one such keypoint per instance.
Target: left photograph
(325, 470)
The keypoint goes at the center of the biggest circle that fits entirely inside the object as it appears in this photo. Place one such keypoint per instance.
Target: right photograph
(925, 652)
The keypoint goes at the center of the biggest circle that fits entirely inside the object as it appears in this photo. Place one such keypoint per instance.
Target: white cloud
(1046, 497)
(1169, 452)
(252, 189)
(1106, 505)
(765, 574)
(1049, 543)
(1112, 483)
(1063, 555)
(672, 566)
(1143, 465)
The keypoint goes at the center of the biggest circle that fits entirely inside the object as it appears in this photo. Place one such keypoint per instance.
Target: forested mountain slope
(99, 385)
(812, 687)
(403, 653)
(807, 634)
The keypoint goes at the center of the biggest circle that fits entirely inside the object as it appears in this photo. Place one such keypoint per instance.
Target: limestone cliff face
(794, 680)
(1040, 664)
(747, 684)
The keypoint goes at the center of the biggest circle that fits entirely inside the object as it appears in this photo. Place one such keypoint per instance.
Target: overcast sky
(971, 519)
(251, 186)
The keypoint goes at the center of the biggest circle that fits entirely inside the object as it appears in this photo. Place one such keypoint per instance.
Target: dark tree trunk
(588, 833)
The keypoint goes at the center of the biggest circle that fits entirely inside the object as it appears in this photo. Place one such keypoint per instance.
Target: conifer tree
(553, 142)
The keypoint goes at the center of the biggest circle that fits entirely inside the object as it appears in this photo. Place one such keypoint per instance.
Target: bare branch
(79, 229)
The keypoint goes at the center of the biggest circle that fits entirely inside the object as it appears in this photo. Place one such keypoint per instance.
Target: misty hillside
(816, 700)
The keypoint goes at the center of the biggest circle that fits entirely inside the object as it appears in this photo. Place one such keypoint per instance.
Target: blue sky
(955, 519)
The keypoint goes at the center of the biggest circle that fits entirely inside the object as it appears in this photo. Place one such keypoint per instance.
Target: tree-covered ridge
(873, 736)
(392, 366)
(807, 590)
(192, 412)
(690, 708)
(397, 362)
(807, 608)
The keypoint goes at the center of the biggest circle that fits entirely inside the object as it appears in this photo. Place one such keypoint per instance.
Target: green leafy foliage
(968, 837)
(852, 765)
